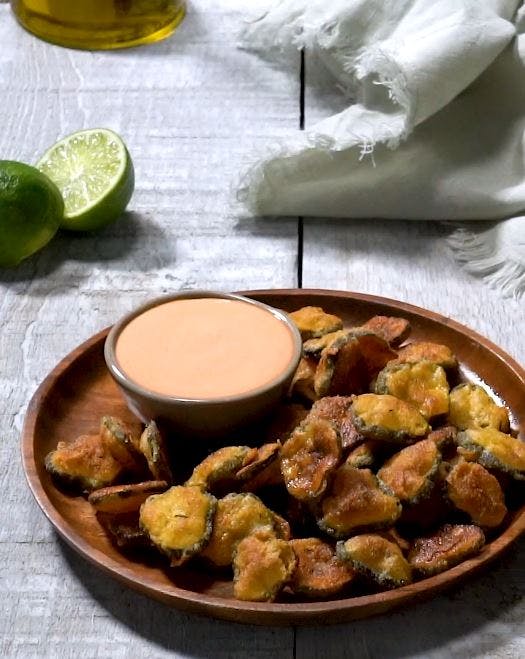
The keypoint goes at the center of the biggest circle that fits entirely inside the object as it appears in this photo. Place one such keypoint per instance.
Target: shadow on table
(122, 244)
(184, 634)
(457, 622)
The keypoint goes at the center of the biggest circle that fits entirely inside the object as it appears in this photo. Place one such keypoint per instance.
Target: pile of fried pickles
(381, 469)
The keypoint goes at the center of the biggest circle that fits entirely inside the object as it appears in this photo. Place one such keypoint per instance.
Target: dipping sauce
(202, 348)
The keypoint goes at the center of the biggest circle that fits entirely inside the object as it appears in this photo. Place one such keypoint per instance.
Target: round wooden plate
(79, 391)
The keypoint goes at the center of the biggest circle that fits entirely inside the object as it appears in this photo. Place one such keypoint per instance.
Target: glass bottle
(99, 24)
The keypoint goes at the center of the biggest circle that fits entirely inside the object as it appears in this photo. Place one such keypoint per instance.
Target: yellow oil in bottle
(99, 24)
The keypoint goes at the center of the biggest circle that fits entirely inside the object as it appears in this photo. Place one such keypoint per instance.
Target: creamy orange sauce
(204, 348)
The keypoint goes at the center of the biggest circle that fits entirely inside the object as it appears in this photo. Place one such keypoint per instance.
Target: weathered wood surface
(193, 109)
(410, 261)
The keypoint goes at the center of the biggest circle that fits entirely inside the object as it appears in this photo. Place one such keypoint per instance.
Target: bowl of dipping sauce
(203, 363)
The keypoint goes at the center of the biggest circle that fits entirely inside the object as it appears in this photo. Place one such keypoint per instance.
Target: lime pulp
(94, 173)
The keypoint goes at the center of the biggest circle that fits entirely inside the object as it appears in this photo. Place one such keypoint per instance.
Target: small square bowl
(203, 418)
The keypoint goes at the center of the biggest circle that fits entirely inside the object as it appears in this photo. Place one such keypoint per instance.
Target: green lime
(94, 173)
(31, 209)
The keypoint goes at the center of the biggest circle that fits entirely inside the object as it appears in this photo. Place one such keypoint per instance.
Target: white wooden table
(193, 111)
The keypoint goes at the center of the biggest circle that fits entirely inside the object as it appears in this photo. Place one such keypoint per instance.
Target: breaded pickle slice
(314, 347)
(308, 457)
(356, 501)
(154, 450)
(388, 419)
(444, 436)
(264, 455)
(423, 384)
(475, 491)
(268, 477)
(120, 442)
(446, 547)
(350, 362)
(314, 321)
(410, 473)
(281, 526)
(124, 530)
(376, 558)
(304, 379)
(495, 450)
(427, 351)
(85, 463)
(237, 516)
(472, 407)
(337, 410)
(220, 465)
(124, 498)
(362, 455)
(179, 521)
(392, 329)
(262, 566)
(319, 572)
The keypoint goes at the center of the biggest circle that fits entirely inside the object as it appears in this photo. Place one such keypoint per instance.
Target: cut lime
(94, 173)
(31, 209)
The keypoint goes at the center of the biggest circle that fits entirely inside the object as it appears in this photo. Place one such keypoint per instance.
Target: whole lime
(31, 209)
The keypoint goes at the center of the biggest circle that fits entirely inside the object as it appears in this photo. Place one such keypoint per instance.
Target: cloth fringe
(496, 254)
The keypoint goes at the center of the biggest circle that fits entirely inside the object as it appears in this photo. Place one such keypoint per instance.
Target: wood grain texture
(192, 110)
(410, 261)
(183, 231)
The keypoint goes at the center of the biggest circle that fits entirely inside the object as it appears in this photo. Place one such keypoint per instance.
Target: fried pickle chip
(262, 566)
(350, 363)
(120, 442)
(472, 407)
(124, 498)
(390, 328)
(221, 465)
(314, 321)
(318, 571)
(336, 409)
(153, 448)
(270, 476)
(444, 437)
(362, 455)
(495, 450)
(237, 516)
(264, 455)
(475, 491)
(423, 384)
(314, 347)
(308, 457)
(356, 501)
(392, 535)
(85, 463)
(446, 547)
(124, 530)
(304, 379)
(410, 472)
(179, 521)
(376, 558)
(388, 419)
(427, 351)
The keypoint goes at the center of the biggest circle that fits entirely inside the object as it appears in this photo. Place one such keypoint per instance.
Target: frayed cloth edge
(477, 255)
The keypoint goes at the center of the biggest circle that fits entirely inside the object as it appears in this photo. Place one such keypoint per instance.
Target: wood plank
(410, 261)
(193, 110)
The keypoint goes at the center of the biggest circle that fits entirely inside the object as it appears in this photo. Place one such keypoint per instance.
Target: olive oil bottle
(99, 24)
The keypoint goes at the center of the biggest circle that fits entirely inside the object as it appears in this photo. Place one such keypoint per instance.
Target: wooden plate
(79, 390)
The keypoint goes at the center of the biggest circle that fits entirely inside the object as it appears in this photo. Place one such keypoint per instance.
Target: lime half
(93, 171)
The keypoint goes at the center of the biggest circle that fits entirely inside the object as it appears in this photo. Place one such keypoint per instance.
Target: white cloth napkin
(435, 128)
